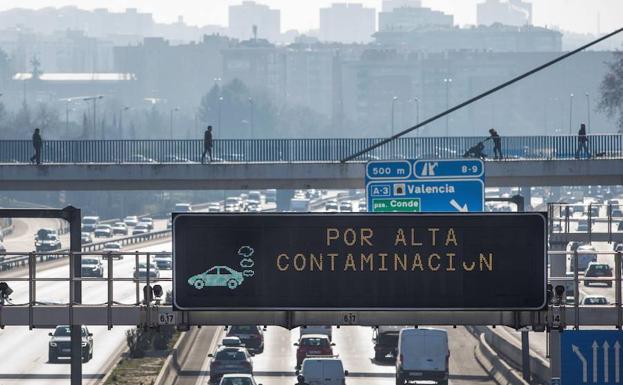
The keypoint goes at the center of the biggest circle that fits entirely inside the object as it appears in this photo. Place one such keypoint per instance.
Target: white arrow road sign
(617, 355)
(458, 207)
(576, 350)
(606, 347)
(595, 347)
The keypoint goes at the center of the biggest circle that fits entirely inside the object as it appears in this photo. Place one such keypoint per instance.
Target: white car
(114, 248)
(214, 207)
(120, 228)
(140, 228)
(323, 371)
(103, 231)
(331, 207)
(183, 208)
(131, 220)
(238, 379)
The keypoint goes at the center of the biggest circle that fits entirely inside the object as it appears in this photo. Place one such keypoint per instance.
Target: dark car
(229, 360)
(251, 336)
(60, 343)
(92, 267)
(47, 240)
(313, 345)
(601, 271)
(385, 340)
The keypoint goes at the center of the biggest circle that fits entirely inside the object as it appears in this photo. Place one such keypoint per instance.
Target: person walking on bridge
(582, 142)
(497, 144)
(207, 144)
(37, 143)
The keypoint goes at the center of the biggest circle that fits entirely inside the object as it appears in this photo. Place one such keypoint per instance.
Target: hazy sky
(574, 15)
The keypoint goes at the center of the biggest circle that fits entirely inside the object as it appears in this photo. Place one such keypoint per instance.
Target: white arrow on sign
(577, 352)
(595, 347)
(617, 355)
(458, 207)
(606, 374)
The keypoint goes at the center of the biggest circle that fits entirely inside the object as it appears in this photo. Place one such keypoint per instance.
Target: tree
(46, 117)
(612, 90)
(23, 120)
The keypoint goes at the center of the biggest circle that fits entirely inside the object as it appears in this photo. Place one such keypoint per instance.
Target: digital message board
(359, 261)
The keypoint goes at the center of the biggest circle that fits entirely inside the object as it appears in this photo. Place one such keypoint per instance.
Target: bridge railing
(302, 150)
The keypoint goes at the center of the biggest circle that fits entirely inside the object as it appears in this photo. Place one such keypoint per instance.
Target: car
(423, 355)
(229, 360)
(600, 271)
(616, 213)
(231, 341)
(175, 159)
(582, 225)
(140, 228)
(233, 204)
(47, 240)
(120, 228)
(592, 300)
(182, 208)
(252, 336)
(60, 343)
(131, 220)
(86, 238)
(385, 339)
(214, 207)
(323, 371)
(114, 248)
(313, 344)
(254, 207)
(149, 221)
(217, 276)
(255, 196)
(346, 206)
(163, 261)
(238, 379)
(103, 231)
(89, 223)
(141, 272)
(362, 206)
(92, 267)
(331, 207)
(586, 255)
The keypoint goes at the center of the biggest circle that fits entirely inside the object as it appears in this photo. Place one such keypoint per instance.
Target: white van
(423, 355)
(324, 371)
(326, 330)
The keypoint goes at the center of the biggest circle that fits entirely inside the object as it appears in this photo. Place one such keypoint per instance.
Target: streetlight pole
(125, 108)
(94, 99)
(570, 114)
(220, 108)
(447, 81)
(171, 121)
(252, 105)
(393, 110)
(588, 112)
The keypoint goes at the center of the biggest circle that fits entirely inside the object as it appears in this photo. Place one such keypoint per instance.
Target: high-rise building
(411, 18)
(511, 12)
(347, 23)
(390, 5)
(250, 20)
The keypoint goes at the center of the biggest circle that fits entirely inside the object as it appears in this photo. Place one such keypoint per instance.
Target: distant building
(496, 38)
(512, 12)
(347, 23)
(181, 74)
(243, 18)
(410, 18)
(390, 5)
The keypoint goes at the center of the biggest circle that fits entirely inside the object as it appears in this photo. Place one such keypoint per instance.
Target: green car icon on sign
(217, 276)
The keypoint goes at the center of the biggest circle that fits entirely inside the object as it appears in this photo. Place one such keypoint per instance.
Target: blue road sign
(591, 357)
(440, 185)
(448, 168)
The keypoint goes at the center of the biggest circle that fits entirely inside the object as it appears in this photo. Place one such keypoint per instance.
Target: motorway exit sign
(446, 185)
(591, 357)
(359, 261)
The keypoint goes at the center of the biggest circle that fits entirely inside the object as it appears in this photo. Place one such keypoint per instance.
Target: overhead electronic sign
(359, 261)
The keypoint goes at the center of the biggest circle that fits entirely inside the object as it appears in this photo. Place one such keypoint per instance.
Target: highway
(26, 351)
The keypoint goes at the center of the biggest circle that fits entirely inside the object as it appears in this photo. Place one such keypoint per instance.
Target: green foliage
(611, 101)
